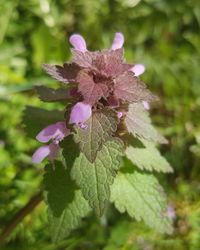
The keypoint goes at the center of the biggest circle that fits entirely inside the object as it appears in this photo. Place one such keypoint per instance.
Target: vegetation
(164, 36)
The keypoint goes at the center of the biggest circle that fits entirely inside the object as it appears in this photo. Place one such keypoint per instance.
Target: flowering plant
(103, 142)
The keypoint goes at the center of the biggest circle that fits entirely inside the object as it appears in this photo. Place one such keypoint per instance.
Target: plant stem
(32, 203)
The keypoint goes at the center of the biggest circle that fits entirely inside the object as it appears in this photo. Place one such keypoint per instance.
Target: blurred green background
(162, 34)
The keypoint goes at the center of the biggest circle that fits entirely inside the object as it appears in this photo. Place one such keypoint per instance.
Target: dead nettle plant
(102, 145)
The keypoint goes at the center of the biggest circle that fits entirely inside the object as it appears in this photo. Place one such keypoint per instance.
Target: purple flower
(170, 212)
(119, 114)
(80, 113)
(138, 69)
(118, 41)
(78, 42)
(55, 132)
(146, 105)
(49, 151)
(101, 77)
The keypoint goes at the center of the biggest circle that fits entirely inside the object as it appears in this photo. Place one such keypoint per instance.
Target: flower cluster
(101, 79)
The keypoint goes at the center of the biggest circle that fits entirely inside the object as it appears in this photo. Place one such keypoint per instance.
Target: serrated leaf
(111, 62)
(91, 91)
(60, 227)
(148, 158)
(129, 88)
(59, 187)
(83, 59)
(52, 95)
(106, 62)
(70, 150)
(95, 179)
(138, 123)
(66, 205)
(66, 73)
(100, 128)
(35, 119)
(141, 196)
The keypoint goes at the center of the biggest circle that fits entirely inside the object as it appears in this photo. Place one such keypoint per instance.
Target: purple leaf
(91, 91)
(129, 88)
(66, 73)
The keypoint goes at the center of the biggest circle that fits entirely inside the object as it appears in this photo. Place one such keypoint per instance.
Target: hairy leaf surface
(52, 95)
(100, 128)
(91, 91)
(148, 158)
(139, 124)
(65, 74)
(59, 187)
(95, 179)
(66, 205)
(60, 227)
(129, 88)
(111, 62)
(70, 150)
(106, 62)
(141, 196)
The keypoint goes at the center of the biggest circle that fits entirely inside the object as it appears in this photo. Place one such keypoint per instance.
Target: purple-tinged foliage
(106, 109)
(101, 74)
(65, 74)
(100, 79)
(129, 88)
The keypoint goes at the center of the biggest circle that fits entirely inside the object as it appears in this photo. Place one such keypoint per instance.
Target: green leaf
(78, 208)
(70, 150)
(95, 179)
(59, 187)
(66, 205)
(52, 95)
(35, 119)
(100, 128)
(139, 124)
(143, 198)
(148, 158)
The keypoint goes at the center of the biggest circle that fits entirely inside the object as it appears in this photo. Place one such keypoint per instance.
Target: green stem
(27, 209)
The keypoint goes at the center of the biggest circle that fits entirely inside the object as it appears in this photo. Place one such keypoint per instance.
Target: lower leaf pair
(139, 194)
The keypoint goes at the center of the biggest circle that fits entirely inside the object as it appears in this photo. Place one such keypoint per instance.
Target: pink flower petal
(40, 154)
(138, 69)
(54, 149)
(170, 212)
(50, 150)
(55, 131)
(146, 105)
(118, 41)
(78, 42)
(80, 113)
(119, 114)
